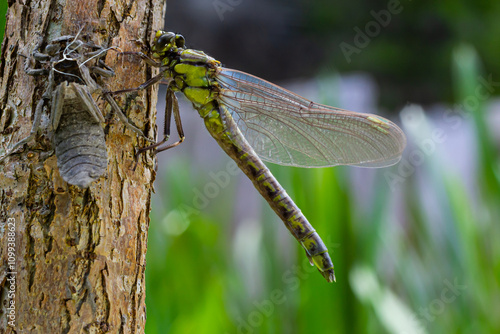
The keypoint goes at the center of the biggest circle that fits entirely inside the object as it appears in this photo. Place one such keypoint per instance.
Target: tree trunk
(72, 259)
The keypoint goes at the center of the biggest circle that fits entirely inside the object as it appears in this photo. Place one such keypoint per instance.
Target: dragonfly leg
(144, 57)
(114, 106)
(145, 85)
(178, 123)
(171, 106)
(116, 109)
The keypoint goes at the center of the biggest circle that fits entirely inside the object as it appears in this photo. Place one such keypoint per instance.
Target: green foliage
(409, 55)
(3, 11)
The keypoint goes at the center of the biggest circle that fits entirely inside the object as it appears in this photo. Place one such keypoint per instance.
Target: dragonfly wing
(287, 129)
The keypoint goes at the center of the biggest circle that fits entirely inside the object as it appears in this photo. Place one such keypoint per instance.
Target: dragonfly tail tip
(329, 275)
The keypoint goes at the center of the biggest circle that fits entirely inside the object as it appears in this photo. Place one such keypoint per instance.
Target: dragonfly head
(167, 42)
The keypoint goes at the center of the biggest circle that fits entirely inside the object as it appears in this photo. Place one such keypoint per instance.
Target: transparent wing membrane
(287, 129)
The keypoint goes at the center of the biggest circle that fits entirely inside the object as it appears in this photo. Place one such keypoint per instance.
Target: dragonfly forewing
(287, 129)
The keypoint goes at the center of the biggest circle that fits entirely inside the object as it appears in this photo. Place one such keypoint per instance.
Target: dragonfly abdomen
(294, 220)
(223, 128)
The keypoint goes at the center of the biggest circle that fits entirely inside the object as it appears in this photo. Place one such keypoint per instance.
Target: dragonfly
(255, 121)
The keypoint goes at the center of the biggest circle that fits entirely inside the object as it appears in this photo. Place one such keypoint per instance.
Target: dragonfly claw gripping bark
(254, 121)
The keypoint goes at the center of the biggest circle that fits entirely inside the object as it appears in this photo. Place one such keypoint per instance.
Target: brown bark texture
(72, 259)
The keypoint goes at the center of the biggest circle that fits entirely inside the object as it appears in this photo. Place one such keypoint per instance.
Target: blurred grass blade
(395, 315)
(473, 88)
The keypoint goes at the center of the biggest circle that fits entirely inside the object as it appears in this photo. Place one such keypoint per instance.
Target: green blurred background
(414, 245)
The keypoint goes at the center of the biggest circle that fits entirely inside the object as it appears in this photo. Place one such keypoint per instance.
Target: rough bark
(78, 254)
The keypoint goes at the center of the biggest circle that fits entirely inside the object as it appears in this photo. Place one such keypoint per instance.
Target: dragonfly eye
(164, 40)
(180, 41)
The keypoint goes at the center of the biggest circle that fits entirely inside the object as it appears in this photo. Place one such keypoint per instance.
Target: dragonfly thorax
(193, 71)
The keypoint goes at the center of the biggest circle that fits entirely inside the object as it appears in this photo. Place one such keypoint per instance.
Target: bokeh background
(415, 246)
